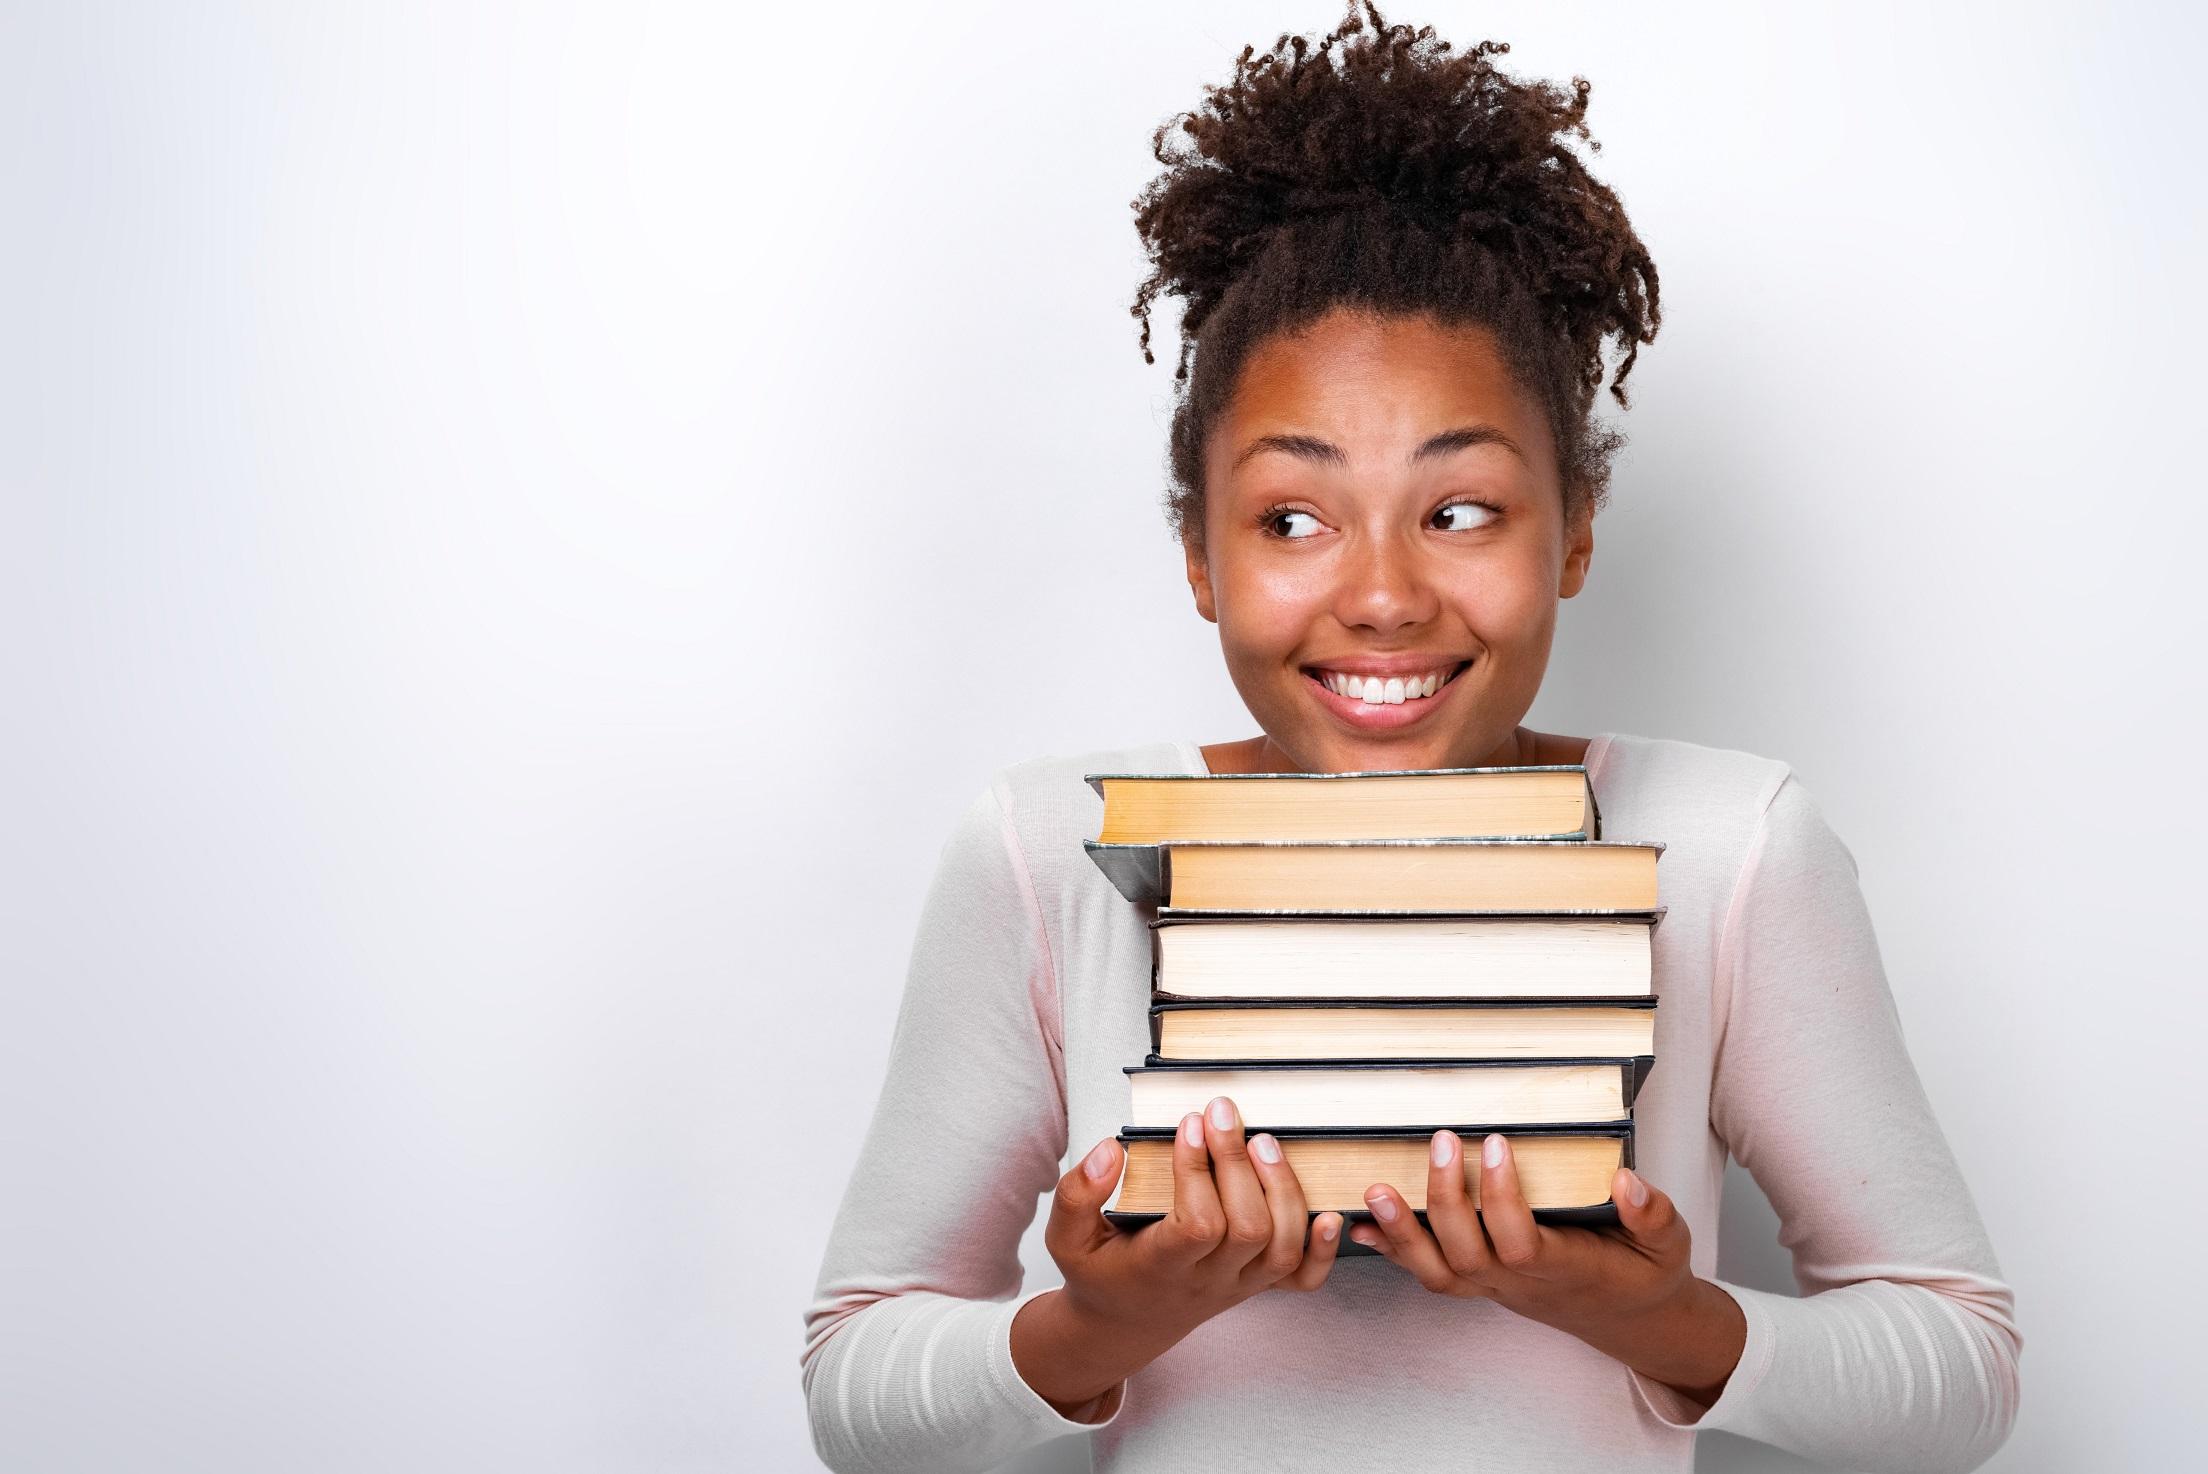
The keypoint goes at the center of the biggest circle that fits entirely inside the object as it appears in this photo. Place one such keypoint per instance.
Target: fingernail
(1329, 1227)
(1222, 1114)
(1383, 1207)
(1265, 1149)
(1099, 1161)
(1445, 1148)
(1636, 1189)
(1492, 1152)
(1192, 1129)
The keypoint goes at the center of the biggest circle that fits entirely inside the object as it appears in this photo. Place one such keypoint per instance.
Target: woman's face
(1383, 510)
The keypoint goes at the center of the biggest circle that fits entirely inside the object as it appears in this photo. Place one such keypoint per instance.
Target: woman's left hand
(1592, 1283)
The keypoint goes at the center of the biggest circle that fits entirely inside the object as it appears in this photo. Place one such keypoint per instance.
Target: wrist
(1690, 1339)
(1693, 1342)
(1075, 1357)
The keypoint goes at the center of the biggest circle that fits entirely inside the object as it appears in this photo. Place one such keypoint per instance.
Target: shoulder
(1049, 803)
(1018, 839)
(1691, 785)
(1718, 810)
(1692, 775)
(1037, 812)
(1019, 847)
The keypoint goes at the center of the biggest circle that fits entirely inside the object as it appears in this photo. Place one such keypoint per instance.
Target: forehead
(1369, 382)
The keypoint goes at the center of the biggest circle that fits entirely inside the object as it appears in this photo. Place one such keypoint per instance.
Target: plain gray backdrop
(524, 525)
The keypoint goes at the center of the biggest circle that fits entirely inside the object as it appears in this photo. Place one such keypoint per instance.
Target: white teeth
(1384, 690)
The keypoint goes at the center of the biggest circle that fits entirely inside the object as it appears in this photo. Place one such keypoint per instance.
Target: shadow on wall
(1748, 1253)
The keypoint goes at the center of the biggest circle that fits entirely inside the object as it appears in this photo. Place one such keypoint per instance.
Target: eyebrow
(1326, 452)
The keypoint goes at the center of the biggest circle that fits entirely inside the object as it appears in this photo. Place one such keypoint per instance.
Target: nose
(1385, 586)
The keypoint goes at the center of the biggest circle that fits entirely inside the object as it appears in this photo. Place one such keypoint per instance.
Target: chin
(1349, 755)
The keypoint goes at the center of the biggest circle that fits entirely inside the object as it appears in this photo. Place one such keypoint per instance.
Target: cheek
(1507, 604)
(1270, 608)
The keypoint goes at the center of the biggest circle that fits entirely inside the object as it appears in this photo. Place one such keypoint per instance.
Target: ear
(1579, 551)
(1199, 579)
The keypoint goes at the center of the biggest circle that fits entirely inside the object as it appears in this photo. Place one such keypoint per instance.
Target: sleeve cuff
(1675, 1410)
(1043, 1419)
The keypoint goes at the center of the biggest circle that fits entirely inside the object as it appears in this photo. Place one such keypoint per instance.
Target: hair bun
(1387, 123)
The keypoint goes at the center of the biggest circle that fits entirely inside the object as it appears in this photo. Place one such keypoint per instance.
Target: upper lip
(1385, 666)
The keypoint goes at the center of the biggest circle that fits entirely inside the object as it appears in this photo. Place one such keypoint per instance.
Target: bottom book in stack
(1345, 1124)
(1353, 1088)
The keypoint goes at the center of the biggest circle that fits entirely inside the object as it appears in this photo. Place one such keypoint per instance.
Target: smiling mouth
(1385, 690)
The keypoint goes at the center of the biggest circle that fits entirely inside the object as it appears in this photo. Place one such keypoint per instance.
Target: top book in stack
(1444, 839)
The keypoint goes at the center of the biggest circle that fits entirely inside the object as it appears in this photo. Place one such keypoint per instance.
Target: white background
(524, 525)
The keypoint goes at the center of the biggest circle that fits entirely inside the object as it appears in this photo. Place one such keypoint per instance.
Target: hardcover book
(1495, 875)
(1334, 954)
(1274, 1094)
(1546, 802)
(1566, 1184)
(1401, 1028)
(1559, 1166)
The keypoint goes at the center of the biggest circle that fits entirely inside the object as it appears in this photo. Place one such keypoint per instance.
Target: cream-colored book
(1402, 1029)
(1271, 1094)
(1329, 954)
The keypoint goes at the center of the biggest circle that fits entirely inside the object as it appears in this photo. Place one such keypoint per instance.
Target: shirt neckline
(1598, 750)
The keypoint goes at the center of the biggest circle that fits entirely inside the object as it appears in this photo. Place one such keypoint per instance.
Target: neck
(1263, 755)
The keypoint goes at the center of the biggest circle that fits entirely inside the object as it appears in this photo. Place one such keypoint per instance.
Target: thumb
(1076, 1221)
(1643, 1211)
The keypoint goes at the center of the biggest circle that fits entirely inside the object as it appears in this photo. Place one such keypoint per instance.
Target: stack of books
(1361, 959)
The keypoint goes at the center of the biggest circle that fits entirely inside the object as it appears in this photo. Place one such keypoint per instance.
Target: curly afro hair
(1379, 170)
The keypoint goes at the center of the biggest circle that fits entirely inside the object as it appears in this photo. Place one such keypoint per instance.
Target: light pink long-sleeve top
(1776, 1038)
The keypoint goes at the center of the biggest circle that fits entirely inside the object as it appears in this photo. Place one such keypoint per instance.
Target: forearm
(1072, 1359)
(922, 1382)
(1880, 1375)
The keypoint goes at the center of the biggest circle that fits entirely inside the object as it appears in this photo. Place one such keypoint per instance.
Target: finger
(1196, 1222)
(1517, 1239)
(1285, 1211)
(1406, 1242)
(1647, 1214)
(1456, 1227)
(1077, 1223)
(1241, 1195)
(1318, 1259)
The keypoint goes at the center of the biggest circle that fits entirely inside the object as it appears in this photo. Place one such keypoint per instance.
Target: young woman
(1399, 282)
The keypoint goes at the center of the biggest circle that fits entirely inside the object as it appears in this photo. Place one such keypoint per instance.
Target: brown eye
(1286, 522)
(1474, 515)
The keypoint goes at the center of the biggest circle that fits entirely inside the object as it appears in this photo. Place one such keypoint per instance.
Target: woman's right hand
(1237, 1227)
